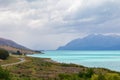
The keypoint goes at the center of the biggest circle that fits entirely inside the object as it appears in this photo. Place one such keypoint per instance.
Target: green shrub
(70, 65)
(101, 77)
(98, 77)
(4, 54)
(4, 74)
(94, 77)
(107, 76)
(86, 74)
(68, 77)
(112, 76)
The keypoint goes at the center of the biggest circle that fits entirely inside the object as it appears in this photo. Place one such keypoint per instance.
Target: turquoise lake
(103, 59)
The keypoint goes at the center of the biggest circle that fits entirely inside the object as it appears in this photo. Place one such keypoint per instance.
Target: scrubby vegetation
(4, 74)
(43, 69)
(9, 60)
(4, 54)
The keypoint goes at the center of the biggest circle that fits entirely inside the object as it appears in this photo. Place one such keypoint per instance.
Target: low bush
(69, 77)
(4, 74)
(4, 54)
(86, 74)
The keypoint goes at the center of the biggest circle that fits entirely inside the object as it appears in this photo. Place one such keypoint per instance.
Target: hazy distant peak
(94, 42)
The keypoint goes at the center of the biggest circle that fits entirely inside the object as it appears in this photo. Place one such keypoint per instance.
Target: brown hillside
(14, 50)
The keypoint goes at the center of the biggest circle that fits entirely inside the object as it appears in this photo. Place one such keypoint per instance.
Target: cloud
(47, 24)
(92, 13)
(4, 3)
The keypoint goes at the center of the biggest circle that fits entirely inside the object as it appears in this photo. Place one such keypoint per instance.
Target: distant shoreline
(102, 64)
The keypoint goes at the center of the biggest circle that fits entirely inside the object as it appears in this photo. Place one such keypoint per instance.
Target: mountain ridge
(13, 47)
(94, 42)
(11, 43)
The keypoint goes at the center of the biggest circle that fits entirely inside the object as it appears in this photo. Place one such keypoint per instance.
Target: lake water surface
(104, 59)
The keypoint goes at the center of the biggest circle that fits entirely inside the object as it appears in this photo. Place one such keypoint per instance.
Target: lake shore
(47, 69)
(103, 59)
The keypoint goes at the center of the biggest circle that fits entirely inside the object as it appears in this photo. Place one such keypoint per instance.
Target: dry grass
(45, 69)
(9, 60)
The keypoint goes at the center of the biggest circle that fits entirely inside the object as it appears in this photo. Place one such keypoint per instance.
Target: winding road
(22, 60)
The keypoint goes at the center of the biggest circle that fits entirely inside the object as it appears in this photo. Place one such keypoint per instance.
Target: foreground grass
(9, 60)
(44, 69)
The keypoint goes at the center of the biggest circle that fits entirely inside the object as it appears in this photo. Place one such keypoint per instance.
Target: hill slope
(11, 43)
(94, 42)
(12, 46)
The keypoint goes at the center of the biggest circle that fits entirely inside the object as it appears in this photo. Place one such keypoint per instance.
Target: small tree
(19, 53)
(4, 54)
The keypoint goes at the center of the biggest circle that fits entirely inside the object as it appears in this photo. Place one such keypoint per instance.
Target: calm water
(104, 59)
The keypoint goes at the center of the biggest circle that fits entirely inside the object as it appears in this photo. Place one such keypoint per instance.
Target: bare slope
(12, 46)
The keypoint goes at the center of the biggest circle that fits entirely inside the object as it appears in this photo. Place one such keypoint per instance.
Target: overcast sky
(48, 24)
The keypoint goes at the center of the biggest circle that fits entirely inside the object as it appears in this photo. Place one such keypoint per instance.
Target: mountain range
(94, 42)
(12, 46)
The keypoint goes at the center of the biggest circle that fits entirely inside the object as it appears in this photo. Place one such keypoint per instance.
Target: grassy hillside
(14, 50)
(12, 46)
(44, 69)
(9, 60)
